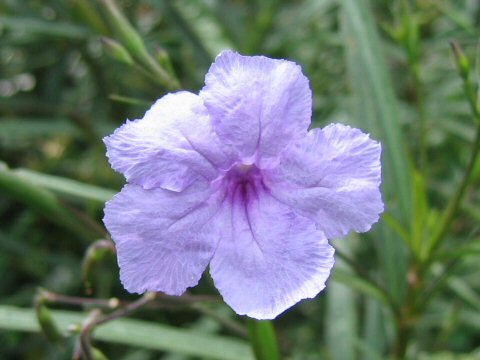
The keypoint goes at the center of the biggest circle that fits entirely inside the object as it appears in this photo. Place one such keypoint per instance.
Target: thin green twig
(456, 200)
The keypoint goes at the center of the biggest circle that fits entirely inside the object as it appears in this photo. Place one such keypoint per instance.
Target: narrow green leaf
(135, 45)
(341, 315)
(376, 111)
(13, 129)
(419, 213)
(376, 108)
(87, 12)
(64, 186)
(374, 341)
(465, 292)
(395, 226)
(45, 28)
(202, 32)
(359, 284)
(44, 202)
(129, 100)
(20, 128)
(136, 333)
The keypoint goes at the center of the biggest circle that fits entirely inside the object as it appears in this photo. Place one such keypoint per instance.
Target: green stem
(455, 202)
(406, 317)
(457, 198)
(422, 119)
(263, 339)
(416, 299)
(135, 45)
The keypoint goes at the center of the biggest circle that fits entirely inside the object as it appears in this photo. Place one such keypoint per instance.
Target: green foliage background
(408, 289)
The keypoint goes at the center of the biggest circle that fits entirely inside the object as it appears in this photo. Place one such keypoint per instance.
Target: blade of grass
(341, 316)
(20, 128)
(45, 28)
(375, 110)
(176, 15)
(64, 186)
(44, 202)
(374, 338)
(136, 333)
(361, 285)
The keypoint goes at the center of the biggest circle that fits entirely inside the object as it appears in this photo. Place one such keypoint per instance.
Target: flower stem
(455, 202)
(417, 294)
(407, 316)
(263, 339)
(422, 118)
(135, 45)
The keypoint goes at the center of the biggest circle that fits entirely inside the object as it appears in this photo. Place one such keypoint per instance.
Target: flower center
(243, 182)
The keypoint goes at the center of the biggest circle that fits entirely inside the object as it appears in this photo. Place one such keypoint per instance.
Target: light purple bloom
(232, 178)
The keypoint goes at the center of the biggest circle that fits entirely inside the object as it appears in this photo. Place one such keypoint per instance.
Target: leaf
(64, 186)
(359, 284)
(44, 202)
(45, 28)
(376, 110)
(203, 32)
(395, 226)
(20, 128)
(465, 292)
(419, 213)
(136, 333)
(341, 315)
(374, 343)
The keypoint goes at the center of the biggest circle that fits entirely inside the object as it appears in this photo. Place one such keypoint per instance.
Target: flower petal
(269, 257)
(257, 104)
(162, 237)
(171, 147)
(333, 177)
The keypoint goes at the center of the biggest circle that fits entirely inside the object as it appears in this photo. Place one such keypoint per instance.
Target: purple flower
(232, 178)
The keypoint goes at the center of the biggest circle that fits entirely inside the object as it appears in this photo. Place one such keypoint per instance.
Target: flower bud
(45, 320)
(162, 57)
(116, 51)
(94, 254)
(129, 37)
(463, 65)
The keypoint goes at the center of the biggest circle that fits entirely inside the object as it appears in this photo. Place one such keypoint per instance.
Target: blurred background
(72, 71)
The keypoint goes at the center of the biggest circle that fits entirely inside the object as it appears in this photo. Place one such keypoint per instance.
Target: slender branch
(95, 319)
(150, 300)
(135, 45)
(113, 303)
(463, 66)
(80, 301)
(127, 310)
(457, 198)
(418, 295)
(422, 117)
(84, 338)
